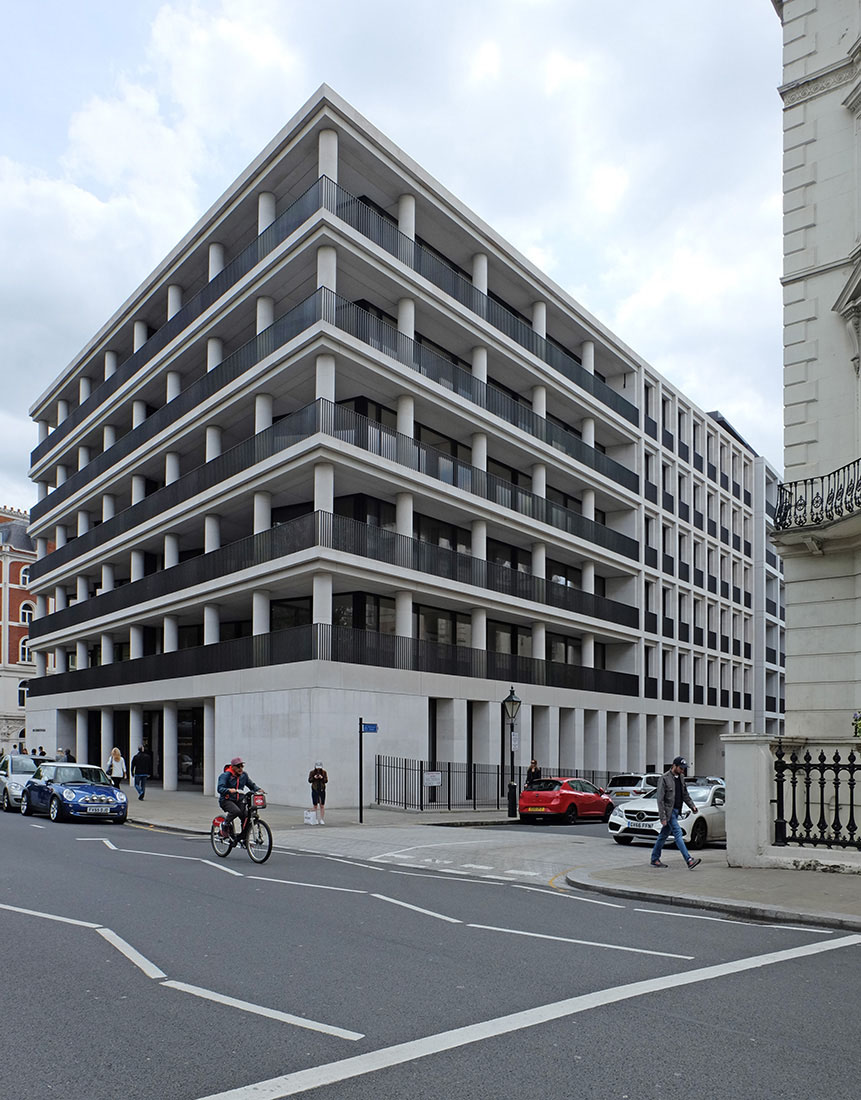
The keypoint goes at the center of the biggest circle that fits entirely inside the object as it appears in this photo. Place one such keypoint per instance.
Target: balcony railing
(324, 529)
(346, 426)
(817, 500)
(343, 645)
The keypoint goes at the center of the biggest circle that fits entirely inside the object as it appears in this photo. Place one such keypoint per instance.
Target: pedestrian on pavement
(15, 751)
(533, 772)
(42, 752)
(116, 767)
(318, 779)
(671, 795)
(141, 770)
(24, 751)
(68, 757)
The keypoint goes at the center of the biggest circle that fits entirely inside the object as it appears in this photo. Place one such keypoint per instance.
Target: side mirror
(719, 800)
(600, 790)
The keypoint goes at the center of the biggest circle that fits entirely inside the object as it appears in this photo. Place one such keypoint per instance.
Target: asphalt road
(136, 964)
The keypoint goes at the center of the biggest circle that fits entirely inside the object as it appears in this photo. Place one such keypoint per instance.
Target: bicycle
(254, 836)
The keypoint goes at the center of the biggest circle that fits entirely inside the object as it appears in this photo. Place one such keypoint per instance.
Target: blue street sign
(370, 727)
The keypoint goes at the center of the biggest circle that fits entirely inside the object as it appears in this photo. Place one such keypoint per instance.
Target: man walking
(671, 795)
(141, 770)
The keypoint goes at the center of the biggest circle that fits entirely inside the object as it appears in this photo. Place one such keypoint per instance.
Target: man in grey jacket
(671, 795)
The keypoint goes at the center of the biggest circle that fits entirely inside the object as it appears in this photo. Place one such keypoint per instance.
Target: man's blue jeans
(675, 828)
(140, 783)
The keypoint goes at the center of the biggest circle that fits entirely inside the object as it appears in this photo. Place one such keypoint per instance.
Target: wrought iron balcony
(817, 500)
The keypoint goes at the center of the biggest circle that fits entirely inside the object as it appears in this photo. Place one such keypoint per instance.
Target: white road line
(50, 916)
(349, 862)
(452, 871)
(583, 943)
(441, 844)
(98, 840)
(33, 825)
(310, 885)
(221, 867)
(417, 909)
(290, 1084)
(150, 969)
(735, 920)
(551, 891)
(478, 866)
(532, 874)
(259, 1010)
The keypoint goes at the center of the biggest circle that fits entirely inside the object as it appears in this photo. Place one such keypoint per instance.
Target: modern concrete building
(347, 453)
(17, 610)
(819, 515)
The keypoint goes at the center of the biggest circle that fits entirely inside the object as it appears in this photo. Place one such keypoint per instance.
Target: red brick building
(17, 608)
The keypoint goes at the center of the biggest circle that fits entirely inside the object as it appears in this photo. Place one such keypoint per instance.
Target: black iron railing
(816, 801)
(817, 500)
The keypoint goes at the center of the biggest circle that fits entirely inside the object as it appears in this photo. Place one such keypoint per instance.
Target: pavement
(584, 862)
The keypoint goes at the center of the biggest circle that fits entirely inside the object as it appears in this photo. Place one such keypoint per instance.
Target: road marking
(452, 871)
(97, 840)
(221, 867)
(259, 1010)
(290, 1084)
(551, 891)
(417, 909)
(583, 943)
(310, 885)
(50, 916)
(441, 844)
(33, 825)
(532, 874)
(478, 866)
(150, 969)
(735, 920)
(349, 862)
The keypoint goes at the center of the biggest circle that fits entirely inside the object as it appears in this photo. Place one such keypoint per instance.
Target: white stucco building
(346, 452)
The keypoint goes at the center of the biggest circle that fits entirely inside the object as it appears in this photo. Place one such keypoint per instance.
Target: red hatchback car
(565, 797)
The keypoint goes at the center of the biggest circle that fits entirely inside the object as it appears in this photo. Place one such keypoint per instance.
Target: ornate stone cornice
(818, 83)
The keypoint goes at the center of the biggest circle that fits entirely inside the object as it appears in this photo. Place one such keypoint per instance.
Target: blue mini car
(73, 791)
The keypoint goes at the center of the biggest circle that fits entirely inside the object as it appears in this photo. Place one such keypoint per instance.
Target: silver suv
(623, 787)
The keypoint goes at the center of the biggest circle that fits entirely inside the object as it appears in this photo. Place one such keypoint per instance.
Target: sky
(631, 150)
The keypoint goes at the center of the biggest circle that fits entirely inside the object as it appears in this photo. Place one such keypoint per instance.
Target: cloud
(486, 63)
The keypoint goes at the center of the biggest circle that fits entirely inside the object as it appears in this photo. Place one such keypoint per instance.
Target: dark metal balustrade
(816, 801)
(817, 500)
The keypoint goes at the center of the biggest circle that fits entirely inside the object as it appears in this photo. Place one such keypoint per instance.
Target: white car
(638, 818)
(14, 773)
(622, 788)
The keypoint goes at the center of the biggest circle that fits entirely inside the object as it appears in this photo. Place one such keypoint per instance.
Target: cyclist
(231, 781)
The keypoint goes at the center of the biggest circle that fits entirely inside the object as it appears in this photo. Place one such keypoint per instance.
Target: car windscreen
(81, 775)
(700, 794)
(22, 765)
(624, 781)
(544, 785)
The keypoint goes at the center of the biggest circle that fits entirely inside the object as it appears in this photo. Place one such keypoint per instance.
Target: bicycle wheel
(220, 844)
(258, 841)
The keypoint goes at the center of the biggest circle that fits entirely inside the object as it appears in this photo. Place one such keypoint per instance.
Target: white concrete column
(109, 506)
(406, 415)
(587, 650)
(138, 488)
(260, 612)
(170, 634)
(587, 431)
(324, 487)
(327, 154)
(61, 598)
(41, 547)
(215, 351)
(213, 441)
(539, 641)
(140, 334)
(81, 734)
(265, 313)
(479, 272)
(60, 537)
(209, 767)
(41, 605)
(404, 614)
(106, 736)
(479, 364)
(44, 430)
(211, 533)
(41, 662)
(110, 363)
(61, 660)
(62, 410)
(136, 642)
(138, 412)
(262, 412)
(539, 400)
(42, 489)
(83, 522)
(589, 504)
(135, 728)
(106, 645)
(216, 259)
(171, 551)
(85, 388)
(478, 624)
(325, 379)
(539, 318)
(211, 624)
(171, 467)
(81, 589)
(107, 576)
(539, 560)
(169, 747)
(407, 215)
(83, 457)
(82, 656)
(109, 436)
(479, 539)
(587, 576)
(174, 299)
(479, 450)
(407, 317)
(265, 210)
(321, 599)
(327, 267)
(136, 565)
(587, 356)
(404, 514)
(539, 479)
(262, 511)
(61, 475)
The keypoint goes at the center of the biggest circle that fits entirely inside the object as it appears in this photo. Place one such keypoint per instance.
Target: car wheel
(55, 810)
(699, 835)
(26, 809)
(623, 839)
(571, 815)
(7, 805)
(607, 813)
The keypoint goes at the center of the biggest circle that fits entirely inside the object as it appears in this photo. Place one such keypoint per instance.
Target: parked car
(621, 788)
(564, 796)
(73, 790)
(638, 819)
(14, 773)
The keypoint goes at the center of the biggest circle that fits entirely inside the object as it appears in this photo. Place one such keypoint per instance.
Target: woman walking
(116, 767)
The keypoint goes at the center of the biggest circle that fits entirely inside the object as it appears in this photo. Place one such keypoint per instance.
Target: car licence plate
(534, 810)
(98, 809)
(644, 826)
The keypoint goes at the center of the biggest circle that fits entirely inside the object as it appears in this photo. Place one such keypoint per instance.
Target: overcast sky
(632, 150)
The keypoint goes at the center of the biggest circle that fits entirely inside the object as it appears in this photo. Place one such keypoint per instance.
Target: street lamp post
(512, 707)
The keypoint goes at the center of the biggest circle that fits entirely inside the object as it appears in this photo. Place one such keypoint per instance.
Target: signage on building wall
(433, 779)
